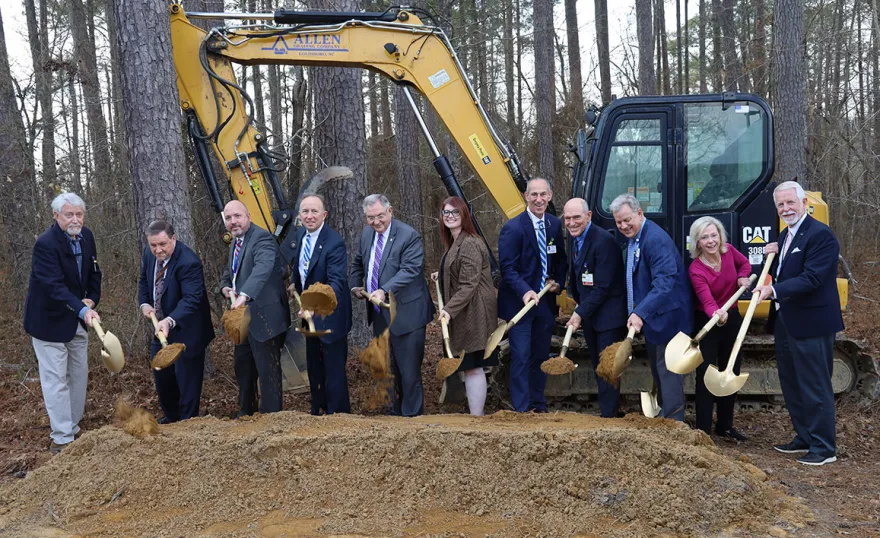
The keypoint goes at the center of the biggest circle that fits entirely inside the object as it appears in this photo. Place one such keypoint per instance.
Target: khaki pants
(64, 375)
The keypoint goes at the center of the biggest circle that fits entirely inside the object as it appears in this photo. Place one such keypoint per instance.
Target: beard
(791, 220)
(74, 229)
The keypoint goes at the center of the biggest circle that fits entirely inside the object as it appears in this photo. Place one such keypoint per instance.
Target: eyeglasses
(450, 212)
(374, 218)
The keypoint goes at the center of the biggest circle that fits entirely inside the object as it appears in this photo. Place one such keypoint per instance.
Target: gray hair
(624, 199)
(584, 205)
(697, 229)
(544, 179)
(318, 196)
(372, 199)
(67, 198)
(785, 185)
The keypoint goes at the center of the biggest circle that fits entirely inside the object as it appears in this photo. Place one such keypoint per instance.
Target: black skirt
(474, 359)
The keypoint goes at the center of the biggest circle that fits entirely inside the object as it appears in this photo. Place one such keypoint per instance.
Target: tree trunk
(385, 100)
(687, 54)
(704, 88)
(679, 78)
(717, 63)
(789, 88)
(152, 117)
(662, 51)
(519, 78)
(508, 75)
(545, 85)
(604, 48)
(39, 41)
(574, 60)
(644, 24)
(297, 133)
(759, 57)
(75, 161)
(561, 57)
(373, 93)
(406, 141)
(340, 139)
(732, 67)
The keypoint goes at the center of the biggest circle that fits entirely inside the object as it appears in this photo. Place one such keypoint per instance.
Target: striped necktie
(238, 244)
(159, 288)
(306, 258)
(377, 260)
(630, 263)
(542, 247)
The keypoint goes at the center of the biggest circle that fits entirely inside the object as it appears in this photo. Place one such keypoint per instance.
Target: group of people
(643, 286)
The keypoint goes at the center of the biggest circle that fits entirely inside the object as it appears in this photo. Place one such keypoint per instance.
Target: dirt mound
(296, 475)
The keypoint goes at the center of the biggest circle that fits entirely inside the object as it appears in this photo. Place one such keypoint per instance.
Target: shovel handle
(714, 319)
(744, 328)
(98, 329)
(631, 333)
(162, 339)
(306, 314)
(445, 329)
(566, 341)
(374, 300)
(527, 307)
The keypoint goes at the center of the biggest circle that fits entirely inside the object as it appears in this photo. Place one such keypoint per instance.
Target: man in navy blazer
(596, 283)
(64, 289)
(172, 286)
(806, 315)
(320, 257)
(531, 249)
(658, 295)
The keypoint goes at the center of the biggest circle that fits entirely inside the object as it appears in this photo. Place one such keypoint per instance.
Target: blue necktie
(306, 257)
(542, 247)
(630, 262)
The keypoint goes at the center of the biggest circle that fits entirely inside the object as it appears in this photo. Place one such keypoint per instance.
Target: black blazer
(185, 299)
(328, 265)
(55, 291)
(602, 305)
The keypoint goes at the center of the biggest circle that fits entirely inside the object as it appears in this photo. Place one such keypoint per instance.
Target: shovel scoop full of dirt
(231, 321)
(320, 299)
(605, 370)
(557, 366)
(167, 356)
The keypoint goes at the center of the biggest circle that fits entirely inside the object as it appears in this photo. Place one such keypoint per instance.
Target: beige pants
(64, 375)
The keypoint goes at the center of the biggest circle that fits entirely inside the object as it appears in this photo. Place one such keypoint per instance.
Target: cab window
(635, 164)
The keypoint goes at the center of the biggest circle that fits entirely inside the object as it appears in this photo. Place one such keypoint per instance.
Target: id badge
(551, 249)
(587, 279)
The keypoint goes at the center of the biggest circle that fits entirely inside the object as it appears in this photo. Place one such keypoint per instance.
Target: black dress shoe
(791, 448)
(165, 420)
(811, 458)
(733, 434)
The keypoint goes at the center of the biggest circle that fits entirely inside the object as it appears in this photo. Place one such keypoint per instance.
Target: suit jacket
(56, 290)
(661, 291)
(401, 272)
(521, 264)
(469, 295)
(602, 304)
(328, 265)
(261, 277)
(185, 299)
(806, 288)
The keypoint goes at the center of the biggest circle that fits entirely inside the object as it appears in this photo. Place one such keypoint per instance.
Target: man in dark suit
(172, 286)
(806, 315)
(597, 285)
(320, 257)
(64, 289)
(255, 276)
(391, 259)
(658, 295)
(531, 249)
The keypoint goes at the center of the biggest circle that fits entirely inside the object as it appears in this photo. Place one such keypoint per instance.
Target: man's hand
(554, 286)
(291, 291)
(765, 291)
(378, 294)
(305, 314)
(722, 316)
(164, 327)
(743, 281)
(240, 300)
(771, 248)
(445, 315)
(89, 303)
(226, 291)
(90, 316)
(357, 292)
(574, 321)
(146, 310)
(635, 322)
(434, 276)
(530, 296)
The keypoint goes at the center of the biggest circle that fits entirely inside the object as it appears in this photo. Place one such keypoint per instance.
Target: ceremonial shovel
(498, 335)
(560, 365)
(449, 364)
(311, 331)
(374, 300)
(168, 355)
(111, 353)
(683, 353)
(650, 406)
(726, 383)
(237, 322)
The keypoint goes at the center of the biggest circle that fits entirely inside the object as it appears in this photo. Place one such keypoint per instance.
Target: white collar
(316, 232)
(386, 232)
(535, 220)
(793, 230)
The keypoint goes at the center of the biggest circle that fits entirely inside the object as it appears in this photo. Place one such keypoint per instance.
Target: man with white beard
(64, 288)
(806, 315)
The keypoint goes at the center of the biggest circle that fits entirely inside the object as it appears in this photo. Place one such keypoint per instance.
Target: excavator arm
(394, 43)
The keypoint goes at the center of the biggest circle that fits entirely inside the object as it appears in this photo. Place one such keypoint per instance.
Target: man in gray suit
(391, 259)
(255, 275)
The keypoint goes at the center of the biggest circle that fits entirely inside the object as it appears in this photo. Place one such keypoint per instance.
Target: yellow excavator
(682, 156)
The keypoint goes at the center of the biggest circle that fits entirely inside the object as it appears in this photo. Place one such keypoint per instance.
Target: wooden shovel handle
(374, 300)
(162, 339)
(98, 329)
(631, 333)
(566, 341)
(445, 330)
(744, 328)
(306, 314)
(527, 307)
(714, 319)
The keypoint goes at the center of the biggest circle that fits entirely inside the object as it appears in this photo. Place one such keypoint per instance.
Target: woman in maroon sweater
(716, 273)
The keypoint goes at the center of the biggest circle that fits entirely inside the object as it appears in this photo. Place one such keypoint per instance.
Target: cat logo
(756, 234)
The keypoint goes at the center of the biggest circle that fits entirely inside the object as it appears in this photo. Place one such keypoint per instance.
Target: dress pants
(407, 354)
(259, 362)
(327, 378)
(530, 346)
(609, 395)
(179, 386)
(670, 385)
(716, 348)
(805, 366)
(64, 376)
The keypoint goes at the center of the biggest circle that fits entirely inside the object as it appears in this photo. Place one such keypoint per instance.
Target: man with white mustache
(806, 315)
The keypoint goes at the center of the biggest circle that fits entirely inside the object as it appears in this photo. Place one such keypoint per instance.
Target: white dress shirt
(303, 270)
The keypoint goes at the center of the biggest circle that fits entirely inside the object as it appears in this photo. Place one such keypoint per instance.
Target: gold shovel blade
(650, 407)
(244, 327)
(622, 358)
(720, 385)
(682, 354)
(112, 354)
(494, 339)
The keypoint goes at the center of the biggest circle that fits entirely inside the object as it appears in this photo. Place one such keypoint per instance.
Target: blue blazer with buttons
(602, 304)
(56, 290)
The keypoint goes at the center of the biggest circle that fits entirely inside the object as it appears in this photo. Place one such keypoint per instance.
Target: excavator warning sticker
(439, 78)
(481, 151)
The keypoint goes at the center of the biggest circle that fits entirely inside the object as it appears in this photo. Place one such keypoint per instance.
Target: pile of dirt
(297, 475)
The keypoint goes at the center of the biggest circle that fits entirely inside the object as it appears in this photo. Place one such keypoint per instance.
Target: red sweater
(714, 289)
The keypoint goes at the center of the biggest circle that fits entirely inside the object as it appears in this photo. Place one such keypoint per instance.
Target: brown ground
(505, 475)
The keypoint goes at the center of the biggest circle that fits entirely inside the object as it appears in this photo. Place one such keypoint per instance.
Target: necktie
(238, 243)
(160, 287)
(630, 262)
(306, 257)
(785, 247)
(542, 248)
(77, 251)
(377, 259)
